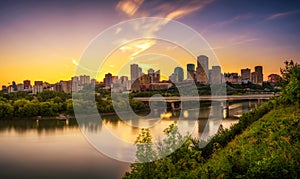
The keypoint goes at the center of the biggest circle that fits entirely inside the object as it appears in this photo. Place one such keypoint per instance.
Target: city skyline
(44, 40)
(203, 74)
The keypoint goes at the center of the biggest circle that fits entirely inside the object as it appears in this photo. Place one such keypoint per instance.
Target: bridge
(176, 104)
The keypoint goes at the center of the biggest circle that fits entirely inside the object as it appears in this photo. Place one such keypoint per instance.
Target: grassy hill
(270, 148)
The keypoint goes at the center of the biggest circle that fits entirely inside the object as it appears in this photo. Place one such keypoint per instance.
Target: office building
(191, 75)
(108, 80)
(245, 74)
(259, 72)
(202, 69)
(216, 77)
(178, 71)
(134, 72)
(26, 84)
(38, 83)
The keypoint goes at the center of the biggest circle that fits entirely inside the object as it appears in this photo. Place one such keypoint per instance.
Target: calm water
(52, 148)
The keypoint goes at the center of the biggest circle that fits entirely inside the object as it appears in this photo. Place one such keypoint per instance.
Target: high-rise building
(84, 80)
(75, 84)
(259, 71)
(216, 75)
(93, 82)
(26, 84)
(134, 72)
(38, 83)
(178, 71)
(254, 77)
(191, 72)
(66, 86)
(245, 74)
(20, 87)
(108, 80)
(157, 77)
(37, 89)
(140, 72)
(123, 79)
(202, 69)
(151, 75)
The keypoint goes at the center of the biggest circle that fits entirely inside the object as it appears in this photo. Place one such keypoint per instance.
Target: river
(53, 148)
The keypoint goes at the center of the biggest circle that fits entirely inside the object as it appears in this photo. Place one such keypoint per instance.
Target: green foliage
(263, 144)
(286, 72)
(291, 77)
(6, 109)
(268, 148)
(47, 103)
(48, 95)
(176, 165)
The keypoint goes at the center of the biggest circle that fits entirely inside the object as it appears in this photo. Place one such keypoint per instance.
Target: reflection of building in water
(203, 119)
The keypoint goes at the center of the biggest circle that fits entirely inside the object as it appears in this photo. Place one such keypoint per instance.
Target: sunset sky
(44, 40)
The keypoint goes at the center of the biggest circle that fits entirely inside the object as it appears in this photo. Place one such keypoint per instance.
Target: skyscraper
(75, 84)
(202, 69)
(151, 75)
(191, 72)
(178, 71)
(245, 73)
(84, 80)
(216, 75)
(108, 80)
(254, 77)
(134, 72)
(26, 84)
(259, 71)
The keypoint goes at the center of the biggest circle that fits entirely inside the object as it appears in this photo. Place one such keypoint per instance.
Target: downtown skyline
(208, 77)
(44, 40)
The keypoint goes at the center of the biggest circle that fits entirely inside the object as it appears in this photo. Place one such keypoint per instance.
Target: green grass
(269, 148)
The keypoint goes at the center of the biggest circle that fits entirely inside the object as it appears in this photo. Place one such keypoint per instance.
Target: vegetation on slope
(270, 147)
(259, 146)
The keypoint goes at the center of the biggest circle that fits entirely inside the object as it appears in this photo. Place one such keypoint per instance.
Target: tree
(291, 77)
(6, 109)
(286, 72)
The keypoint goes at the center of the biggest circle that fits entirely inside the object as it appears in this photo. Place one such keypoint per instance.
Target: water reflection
(48, 148)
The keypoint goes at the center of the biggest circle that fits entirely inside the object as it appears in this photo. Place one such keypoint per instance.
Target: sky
(44, 40)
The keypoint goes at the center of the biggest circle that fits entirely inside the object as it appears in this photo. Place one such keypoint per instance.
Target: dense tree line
(52, 103)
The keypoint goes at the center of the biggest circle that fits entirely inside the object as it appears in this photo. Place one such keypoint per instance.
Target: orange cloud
(170, 11)
(129, 7)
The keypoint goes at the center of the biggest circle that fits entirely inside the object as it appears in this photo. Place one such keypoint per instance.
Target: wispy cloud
(174, 10)
(281, 15)
(135, 48)
(129, 7)
(166, 10)
(233, 20)
(234, 41)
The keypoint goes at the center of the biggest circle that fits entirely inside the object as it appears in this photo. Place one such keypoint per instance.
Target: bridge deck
(206, 98)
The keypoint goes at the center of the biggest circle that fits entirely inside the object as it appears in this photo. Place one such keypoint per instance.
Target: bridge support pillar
(172, 106)
(225, 105)
(249, 104)
(259, 101)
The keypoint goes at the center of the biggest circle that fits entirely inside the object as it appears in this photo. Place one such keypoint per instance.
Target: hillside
(270, 147)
